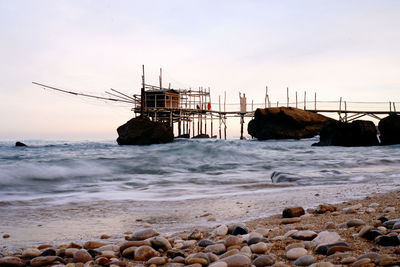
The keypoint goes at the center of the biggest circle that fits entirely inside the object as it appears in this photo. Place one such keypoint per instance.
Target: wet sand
(31, 223)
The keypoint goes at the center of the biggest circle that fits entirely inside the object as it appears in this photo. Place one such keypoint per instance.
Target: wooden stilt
(241, 126)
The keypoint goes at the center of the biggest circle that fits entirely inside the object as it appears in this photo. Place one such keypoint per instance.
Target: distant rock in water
(138, 131)
(200, 136)
(284, 177)
(285, 123)
(19, 144)
(183, 136)
(356, 133)
(389, 127)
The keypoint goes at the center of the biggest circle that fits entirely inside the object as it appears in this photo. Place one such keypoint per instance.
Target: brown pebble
(74, 245)
(293, 212)
(291, 220)
(212, 219)
(335, 249)
(6, 236)
(43, 246)
(325, 208)
(361, 263)
(11, 262)
(105, 236)
(93, 245)
(139, 220)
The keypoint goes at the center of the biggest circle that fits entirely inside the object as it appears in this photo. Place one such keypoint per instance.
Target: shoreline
(84, 221)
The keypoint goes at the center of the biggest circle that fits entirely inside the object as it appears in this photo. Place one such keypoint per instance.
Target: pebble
(264, 260)
(292, 212)
(41, 261)
(370, 210)
(326, 237)
(143, 234)
(361, 263)
(129, 252)
(294, 245)
(195, 235)
(259, 248)
(144, 253)
(387, 241)
(280, 264)
(157, 261)
(348, 260)
(69, 252)
(232, 241)
(396, 225)
(160, 242)
(334, 249)
(229, 253)
(200, 258)
(305, 260)
(253, 240)
(218, 264)
(289, 234)
(330, 225)
(105, 236)
(82, 256)
(295, 253)
(323, 248)
(349, 211)
(355, 223)
(6, 236)
(291, 220)
(93, 245)
(389, 209)
(11, 262)
(216, 248)
(237, 260)
(221, 230)
(387, 260)
(240, 230)
(325, 208)
(304, 235)
(322, 264)
(373, 256)
(205, 242)
(31, 253)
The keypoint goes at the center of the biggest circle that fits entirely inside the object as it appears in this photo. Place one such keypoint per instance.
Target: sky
(342, 48)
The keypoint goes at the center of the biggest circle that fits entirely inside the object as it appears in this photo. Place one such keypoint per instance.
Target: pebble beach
(358, 232)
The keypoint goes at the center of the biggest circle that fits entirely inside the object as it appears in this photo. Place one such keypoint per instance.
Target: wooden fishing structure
(193, 114)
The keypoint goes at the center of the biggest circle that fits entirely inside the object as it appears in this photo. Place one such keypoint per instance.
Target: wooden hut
(166, 98)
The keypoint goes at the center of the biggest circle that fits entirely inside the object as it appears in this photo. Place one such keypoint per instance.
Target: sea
(57, 172)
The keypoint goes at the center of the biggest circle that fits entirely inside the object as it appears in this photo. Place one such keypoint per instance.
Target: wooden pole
(315, 101)
(340, 109)
(305, 100)
(287, 96)
(390, 107)
(345, 109)
(219, 100)
(225, 114)
(142, 93)
(241, 126)
(394, 107)
(266, 96)
(296, 99)
(211, 114)
(160, 78)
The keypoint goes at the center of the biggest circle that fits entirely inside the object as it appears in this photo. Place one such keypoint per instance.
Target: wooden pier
(193, 114)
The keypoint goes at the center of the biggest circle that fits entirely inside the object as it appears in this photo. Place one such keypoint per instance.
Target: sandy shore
(34, 224)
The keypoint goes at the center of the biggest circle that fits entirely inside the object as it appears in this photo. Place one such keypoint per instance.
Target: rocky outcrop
(356, 133)
(138, 131)
(285, 123)
(389, 129)
(18, 143)
(201, 136)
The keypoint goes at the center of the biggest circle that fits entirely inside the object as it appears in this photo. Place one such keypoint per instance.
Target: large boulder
(389, 129)
(356, 133)
(138, 131)
(285, 123)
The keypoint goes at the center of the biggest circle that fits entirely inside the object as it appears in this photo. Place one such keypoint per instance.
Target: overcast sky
(346, 49)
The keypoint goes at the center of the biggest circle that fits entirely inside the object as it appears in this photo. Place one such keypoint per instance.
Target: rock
(259, 248)
(205, 242)
(390, 223)
(48, 260)
(232, 241)
(138, 131)
(18, 143)
(82, 256)
(6, 236)
(291, 220)
(294, 245)
(305, 260)
(237, 260)
(254, 240)
(322, 264)
(218, 264)
(93, 245)
(365, 230)
(370, 210)
(293, 212)
(143, 234)
(334, 249)
(325, 208)
(326, 237)
(280, 264)
(160, 242)
(356, 133)
(295, 253)
(216, 248)
(289, 234)
(285, 123)
(387, 241)
(240, 230)
(144, 253)
(355, 223)
(304, 235)
(373, 256)
(201, 136)
(348, 260)
(157, 261)
(264, 260)
(200, 258)
(221, 230)
(31, 253)
(389, 128)
(195, 235)
(134, 244)
(330, 225)
(386, 260)
(323, 248)
(361, 263)
(48, 252)
(11, 262)
(229, 253)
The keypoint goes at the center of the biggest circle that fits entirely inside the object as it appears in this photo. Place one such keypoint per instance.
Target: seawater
(49, 172)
